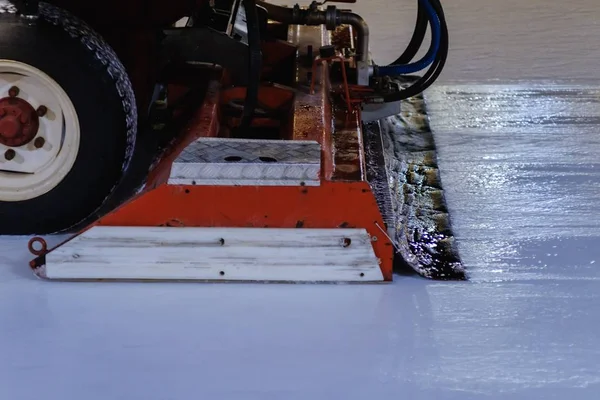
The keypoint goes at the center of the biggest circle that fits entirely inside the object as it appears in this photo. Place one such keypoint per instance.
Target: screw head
(14, 91)
(42, 110)
(9, 154)
(39, 142)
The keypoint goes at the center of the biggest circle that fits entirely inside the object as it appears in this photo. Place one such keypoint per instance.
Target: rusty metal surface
(312, 112)
(19, 122)
(323, 117)
(348, 141)
(348, 147)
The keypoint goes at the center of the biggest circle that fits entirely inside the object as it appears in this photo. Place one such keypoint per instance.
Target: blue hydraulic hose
(429, 58)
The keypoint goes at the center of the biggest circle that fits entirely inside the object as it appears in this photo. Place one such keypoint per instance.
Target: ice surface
(521, 171)
(524, 199)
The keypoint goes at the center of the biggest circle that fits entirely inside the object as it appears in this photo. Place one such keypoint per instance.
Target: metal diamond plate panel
(215, 161)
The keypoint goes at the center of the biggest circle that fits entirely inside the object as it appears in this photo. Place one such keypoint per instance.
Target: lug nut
(42, 110)
(39, 142)
(14, 91)
(9, 154)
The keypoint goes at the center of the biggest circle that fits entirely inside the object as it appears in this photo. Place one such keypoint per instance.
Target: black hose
(287, 15)
(417, 38)
(435, 69)
(255, 67)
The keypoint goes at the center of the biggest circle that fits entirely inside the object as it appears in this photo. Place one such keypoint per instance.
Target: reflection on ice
(521, 170)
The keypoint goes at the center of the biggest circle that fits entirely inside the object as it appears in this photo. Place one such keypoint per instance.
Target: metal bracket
(375, 112)
(206, 45)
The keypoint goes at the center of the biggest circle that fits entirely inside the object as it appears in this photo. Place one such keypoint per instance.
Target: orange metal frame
(332, 205)
(344, 198)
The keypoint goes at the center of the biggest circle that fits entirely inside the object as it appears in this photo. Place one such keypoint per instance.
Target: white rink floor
(522, 175)
(523, 187)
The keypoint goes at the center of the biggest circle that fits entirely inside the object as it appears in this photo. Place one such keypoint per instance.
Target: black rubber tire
(89, 71)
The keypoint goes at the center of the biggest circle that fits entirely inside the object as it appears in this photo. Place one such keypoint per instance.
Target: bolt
(39, 142)
(42, 110)
(14, 91)
(9, 154)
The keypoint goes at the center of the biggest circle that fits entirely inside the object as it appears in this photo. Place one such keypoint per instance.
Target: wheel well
(132, 29)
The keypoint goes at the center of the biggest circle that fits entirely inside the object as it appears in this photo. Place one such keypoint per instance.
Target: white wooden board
(240, 254)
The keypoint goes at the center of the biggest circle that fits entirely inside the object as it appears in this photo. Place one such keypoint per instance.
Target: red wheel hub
(19, 122)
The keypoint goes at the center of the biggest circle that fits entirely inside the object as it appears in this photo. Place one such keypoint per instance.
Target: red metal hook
(43, 251)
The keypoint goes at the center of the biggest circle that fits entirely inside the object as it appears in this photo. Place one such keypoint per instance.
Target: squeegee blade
(403, 170)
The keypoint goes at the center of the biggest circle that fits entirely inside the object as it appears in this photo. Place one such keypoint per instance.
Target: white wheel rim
(31, 172)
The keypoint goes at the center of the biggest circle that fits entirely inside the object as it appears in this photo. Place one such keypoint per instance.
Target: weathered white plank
(232, 254)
